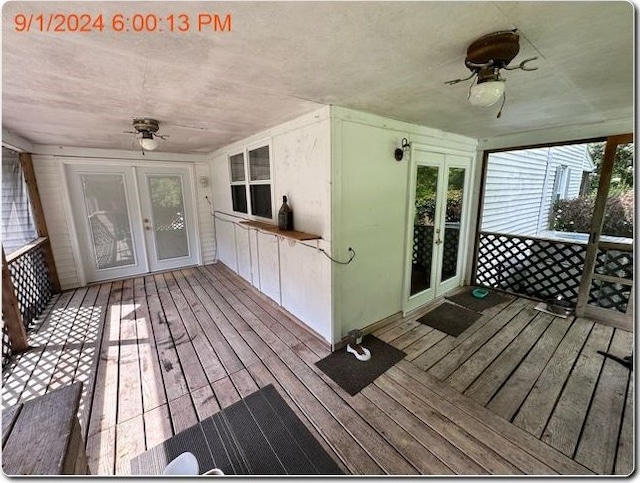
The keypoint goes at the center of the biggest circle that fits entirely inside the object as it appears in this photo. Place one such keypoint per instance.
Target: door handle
(438, 241)
(146, 220)
(147, 227)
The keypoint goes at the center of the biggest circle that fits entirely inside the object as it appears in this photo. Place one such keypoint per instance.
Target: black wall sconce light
(399, 152)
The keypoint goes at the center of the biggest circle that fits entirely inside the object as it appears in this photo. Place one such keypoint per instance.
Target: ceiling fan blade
(522, 65)
(452, 82)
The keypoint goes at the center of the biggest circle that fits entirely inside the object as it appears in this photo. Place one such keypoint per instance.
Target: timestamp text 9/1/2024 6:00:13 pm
(120, 22)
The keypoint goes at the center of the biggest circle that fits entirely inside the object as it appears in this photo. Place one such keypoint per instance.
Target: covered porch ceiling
(283, 59)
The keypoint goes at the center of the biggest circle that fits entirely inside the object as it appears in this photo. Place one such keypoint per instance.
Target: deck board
(599, 439)
(537, 408)
(176, 347)
(539, 454)
(515, 390)
(19, 374)
(446, 356)
(477, 364)
(488, 382)
(153, 391)
(625, 462)
(565, 425)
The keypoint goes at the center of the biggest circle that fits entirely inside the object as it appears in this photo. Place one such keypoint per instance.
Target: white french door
(167, 217)
(436, 225)
(132, 220)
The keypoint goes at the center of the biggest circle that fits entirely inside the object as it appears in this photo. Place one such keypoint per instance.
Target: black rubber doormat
(469, 301)
(258, 435)
(450, 319)
(353, 375)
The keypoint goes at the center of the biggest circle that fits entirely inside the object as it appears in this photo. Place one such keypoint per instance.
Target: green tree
(622, 175)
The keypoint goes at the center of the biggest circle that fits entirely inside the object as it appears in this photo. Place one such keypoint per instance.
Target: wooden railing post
(38, 214)
(11, 311)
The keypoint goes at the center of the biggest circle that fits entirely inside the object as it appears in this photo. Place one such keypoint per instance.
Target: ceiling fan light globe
(148, 144)
(486, 94)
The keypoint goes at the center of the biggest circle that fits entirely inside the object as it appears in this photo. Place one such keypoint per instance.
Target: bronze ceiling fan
(147, 128)
(486, 57)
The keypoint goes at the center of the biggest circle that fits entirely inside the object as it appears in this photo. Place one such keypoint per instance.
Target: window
(238, 185)
(561, 183)
(257, 164)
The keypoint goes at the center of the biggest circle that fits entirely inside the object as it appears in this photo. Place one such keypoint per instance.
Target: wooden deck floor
(176, 347)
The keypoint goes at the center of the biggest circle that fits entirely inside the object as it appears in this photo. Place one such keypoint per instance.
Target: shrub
(426, 207)
(575, 215)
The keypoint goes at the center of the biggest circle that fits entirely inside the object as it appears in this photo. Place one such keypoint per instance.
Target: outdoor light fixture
(399, 152)
(486, 56)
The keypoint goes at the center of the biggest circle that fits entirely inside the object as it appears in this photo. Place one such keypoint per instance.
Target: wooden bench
(43, 437)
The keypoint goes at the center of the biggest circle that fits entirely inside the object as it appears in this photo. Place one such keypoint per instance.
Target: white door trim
(450, 158)
(68, 202)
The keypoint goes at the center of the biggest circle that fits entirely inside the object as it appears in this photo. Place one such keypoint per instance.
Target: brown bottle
(285, 216)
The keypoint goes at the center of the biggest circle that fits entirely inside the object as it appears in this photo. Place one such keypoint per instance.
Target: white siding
(513, 188)
(50, 186)
(519, 186)
(207, 233)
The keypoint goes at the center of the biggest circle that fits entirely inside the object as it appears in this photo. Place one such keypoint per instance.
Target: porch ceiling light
(486, 94)
(147, 142)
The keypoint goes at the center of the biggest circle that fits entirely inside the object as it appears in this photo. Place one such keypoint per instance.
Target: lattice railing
(30, 278)
(545, 269)
(609, 294)
(6, 345)
(534, 267)
(423, 249)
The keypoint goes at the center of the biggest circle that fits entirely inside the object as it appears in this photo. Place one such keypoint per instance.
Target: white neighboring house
(522, 185)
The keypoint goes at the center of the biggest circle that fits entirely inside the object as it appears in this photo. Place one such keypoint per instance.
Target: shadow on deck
(177, 347)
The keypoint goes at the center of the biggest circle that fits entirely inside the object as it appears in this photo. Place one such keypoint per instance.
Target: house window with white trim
(561, 183)
(251, 182)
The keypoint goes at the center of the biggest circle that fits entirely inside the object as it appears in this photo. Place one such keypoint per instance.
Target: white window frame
(561, 182)
(243, 182)
(247, 182)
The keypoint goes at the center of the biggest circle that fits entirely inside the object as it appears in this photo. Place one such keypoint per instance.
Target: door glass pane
(167, 208)
(423, 225)
(453, 217)
(106, 203)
